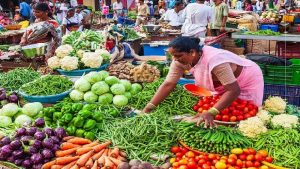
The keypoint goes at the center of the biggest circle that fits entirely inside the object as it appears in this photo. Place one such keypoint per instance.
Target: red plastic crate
(288, 49)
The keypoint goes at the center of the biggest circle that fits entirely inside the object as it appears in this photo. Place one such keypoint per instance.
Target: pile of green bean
(47, 85)
(283, 145)
(141, 136)
(177, 103)
(14, 79)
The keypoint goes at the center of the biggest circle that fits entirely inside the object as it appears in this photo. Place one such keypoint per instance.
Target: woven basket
(256, 47)
(13, 27)
(236, 50)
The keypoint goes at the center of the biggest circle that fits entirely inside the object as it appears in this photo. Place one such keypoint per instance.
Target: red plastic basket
(288, 49)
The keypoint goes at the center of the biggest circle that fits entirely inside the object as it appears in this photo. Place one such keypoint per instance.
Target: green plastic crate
(289, 75)
(295, 61)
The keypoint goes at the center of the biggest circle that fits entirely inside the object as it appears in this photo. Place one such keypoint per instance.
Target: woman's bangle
(213, 111)
(151, 106)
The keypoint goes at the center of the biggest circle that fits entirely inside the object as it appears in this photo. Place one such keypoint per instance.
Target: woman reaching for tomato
(217, 70)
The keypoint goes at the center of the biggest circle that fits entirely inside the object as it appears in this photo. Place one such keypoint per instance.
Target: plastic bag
(268, 60)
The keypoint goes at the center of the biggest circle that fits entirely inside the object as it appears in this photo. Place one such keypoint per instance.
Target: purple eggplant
(60, 133)
(47, 154)
(4, 141)
(17, 153)
(55, 139)
(32, 131)
(55, 148)
(11, 159)
(37, 144)
(26, 139)
(6, 150)
(49, 132)
(3, 156)
(39, 135)
(16, 144)
(36, 158)
(2, 94)
(27, 163)
(18, 162)
(21, 132)
(48, 143)
(33, 150)
(39, 122)
(13, 98)
(37, 166)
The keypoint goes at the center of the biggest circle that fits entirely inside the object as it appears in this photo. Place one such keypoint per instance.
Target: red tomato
(212, 156)
(192, 165)
(239, 163)
(204, 157)
(235, 112)
(243, 102)
(263, 153)
(180, 154)
(200, 110)
(234, 156)
(178, 159)
(250, 106)
(242, 157)
(240, 107)
(249, 164)
(195, 108)
(200, 103)
(209, 163)
(214, 161)
(225, 118)
(183, 150)
(246, 110)
(212, 104)
(250, 157)
(246, 116)
(197, 158)
(252, 151)
(269, 159)
(183, 161)
(225, 111)
(240, 118)
(258, 157)
(201, 162)
(190, 154)
(218, 117)
(205, 107)
(175, 149)
(183, 167)
(233, 118)
(252, 113)
(231, 161)
(256, 164)
(234, 103)
(206, 166)
(176, 164)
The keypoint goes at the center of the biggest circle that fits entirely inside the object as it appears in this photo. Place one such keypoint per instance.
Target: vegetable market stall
(11, 36)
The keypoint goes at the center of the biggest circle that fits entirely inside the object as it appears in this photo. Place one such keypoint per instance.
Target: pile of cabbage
(12, 114)
(104, 89)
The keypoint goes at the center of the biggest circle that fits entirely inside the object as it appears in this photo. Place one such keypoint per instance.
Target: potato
(124, 165)
(166, 165)
(134, 162)
(135, 167)
(146, 165)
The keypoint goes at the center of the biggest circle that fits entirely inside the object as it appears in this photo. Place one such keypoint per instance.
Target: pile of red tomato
(239, 159)
(237, 111)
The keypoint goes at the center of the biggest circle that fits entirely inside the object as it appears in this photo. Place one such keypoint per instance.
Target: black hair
(177, 3)
(43, 7)
(185, 44)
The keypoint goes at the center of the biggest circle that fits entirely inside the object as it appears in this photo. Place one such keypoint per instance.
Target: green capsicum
(98, 116)
(79, 133)
(48, 112)
(76, 107)
(89, 124)
(58, 106)
(66, 108)
(67, 117)
(78, 121)
(85, 113)
(57, 116)
(89, 107)
(114, 112)
(71, 130)
(89, 135)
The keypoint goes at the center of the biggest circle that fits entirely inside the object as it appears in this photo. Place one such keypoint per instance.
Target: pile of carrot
(81, 153)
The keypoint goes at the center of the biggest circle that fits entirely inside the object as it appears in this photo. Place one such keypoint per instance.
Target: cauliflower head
(69, 63)
(54, 62)
(275, 105)
(63, 50)
(252, 127)
(92, 59)
(263, 115)
(284, 120)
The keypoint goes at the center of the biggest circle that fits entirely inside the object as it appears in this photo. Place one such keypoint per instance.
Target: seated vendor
(72, 22)
(43, 30)
(174, 16)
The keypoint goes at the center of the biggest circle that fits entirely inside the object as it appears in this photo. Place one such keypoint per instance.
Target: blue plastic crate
(110, 16)
(297, 20)
(45, 99)
(271, 27)
(217, 45)
(158, 50)
(81, 72)
(290, 93)
(183, 81)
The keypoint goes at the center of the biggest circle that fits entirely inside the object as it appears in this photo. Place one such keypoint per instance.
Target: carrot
(92, 144)
(57, 166)
(84, 158)
(99, 147)
(67, 146)
(115, 161)
(83, 150)
(121, 158)
(95, 165)
(49, 164)
(123, 154)
(65, 160)
(101, 161)
(115, 152)
(70, 165)
(68, 138)
(105, 153)
(89, 163)
(84, 167)
(80, 141)
(98, 155)
(65, 152)
(75, 167)
(108, 163)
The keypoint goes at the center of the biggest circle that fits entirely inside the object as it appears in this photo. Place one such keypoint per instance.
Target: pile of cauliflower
(64, 61)
(275, 105)
(252, 127)
(285, 121)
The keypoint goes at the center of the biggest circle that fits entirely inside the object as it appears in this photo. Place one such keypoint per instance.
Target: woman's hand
(206, 117)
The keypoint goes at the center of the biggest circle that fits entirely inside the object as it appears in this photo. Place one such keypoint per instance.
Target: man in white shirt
(174, 16)
(118, 8)
(196, 18)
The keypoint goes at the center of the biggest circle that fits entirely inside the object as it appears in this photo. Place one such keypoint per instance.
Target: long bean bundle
(47, 85)
(141, 136)
(14, 79)
(178, 102)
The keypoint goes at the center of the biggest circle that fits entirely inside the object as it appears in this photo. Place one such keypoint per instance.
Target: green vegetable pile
(130, 34)
(219, 140)
(14, 79)
(4, 47)
(162, 67)
(283, 145)
(132, 15)
(141, 136)
(47, 85)
(267, 32)
(177, 103)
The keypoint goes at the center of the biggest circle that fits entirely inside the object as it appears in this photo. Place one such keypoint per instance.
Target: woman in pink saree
(217, 70)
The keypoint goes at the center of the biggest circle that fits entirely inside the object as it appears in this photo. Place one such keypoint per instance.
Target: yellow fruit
(264, 167)
(172, 160)
(237, 151)
(220, 165)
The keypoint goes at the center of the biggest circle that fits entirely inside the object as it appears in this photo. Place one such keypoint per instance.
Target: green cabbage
(5, 121)
(104, 74)
(110, 80)
(93, 77)
(90, 97)
(82, 85)
(128, 95)
(136, 88)
(76, 95)
(100, 88)
(106, 98)
(126, 84)
(32, 109)
(10, 109)
(117, 89)
(120, 100)
(23, 119)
